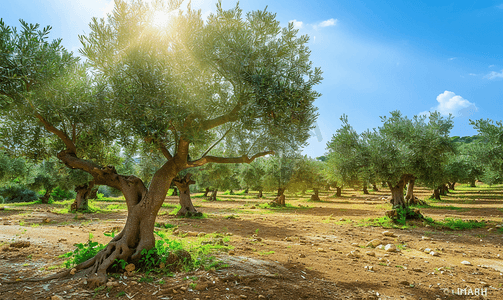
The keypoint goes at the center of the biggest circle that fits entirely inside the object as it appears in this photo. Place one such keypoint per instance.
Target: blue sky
(377, 56)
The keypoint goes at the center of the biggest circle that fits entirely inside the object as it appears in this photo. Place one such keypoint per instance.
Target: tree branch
(229, 117)
(226, 160)
(216, 143)
(70, 146)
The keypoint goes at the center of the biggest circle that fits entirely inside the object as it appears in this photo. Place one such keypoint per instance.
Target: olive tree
(404, 149)
(179, 88)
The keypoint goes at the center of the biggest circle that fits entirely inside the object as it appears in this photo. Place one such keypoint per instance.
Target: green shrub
(58, 194)
(17, 193)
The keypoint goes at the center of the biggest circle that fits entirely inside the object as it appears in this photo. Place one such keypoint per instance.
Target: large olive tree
(178, 88)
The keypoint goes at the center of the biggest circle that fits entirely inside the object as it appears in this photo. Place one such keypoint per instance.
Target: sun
(162, 19)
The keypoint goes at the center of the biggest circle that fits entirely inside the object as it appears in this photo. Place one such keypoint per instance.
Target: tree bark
(246, 191)
(175, 191)
(316, 196)
(365, 190)
(206, 191)
(45, 198)
(410, 192)
(472, 183)
(397, 198)
(186, 206)
(260, 195)
(81, 202)
(339, 191)
(374, 187)
(443, 190)
(280, 199)
(451, 185)
(213, 196)
(436, 194)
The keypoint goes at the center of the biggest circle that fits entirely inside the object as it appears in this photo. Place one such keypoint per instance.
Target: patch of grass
(264, 253)
(61, 211)
(168, 205)
(456, 224)
(384, 222)
(164, 225)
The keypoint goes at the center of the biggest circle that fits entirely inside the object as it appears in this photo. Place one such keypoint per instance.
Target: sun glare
(162, 19)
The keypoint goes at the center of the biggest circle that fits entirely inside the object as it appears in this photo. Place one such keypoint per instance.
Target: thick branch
(165, 152)
(70, 146)
(229, 117)
(226, 160)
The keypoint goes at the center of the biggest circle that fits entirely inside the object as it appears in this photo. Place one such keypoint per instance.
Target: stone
(427, 250)
(130, 268)
(390, 248)
(374, 243)
(231, 252)
(404, 282)
(321, 250)
(388, 233)
(73, 271)
(261, 296)
(467, 263)
(56, 297)
(425, 238)
(433, 253)
(370, 253)
(301, 255)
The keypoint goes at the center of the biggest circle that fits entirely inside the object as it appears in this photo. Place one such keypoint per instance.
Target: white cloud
(500, 6)
(327, 23)
(450, 103)
(297, 24)
(452, 58)
(494, 75)
(472, 74)
(491, 66)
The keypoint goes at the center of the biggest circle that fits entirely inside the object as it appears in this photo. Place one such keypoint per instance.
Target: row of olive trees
(402, 151)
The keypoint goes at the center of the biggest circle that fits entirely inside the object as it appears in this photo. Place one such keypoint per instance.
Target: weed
(193, 285)
(266, 253)
(120, 294)
(83, 252)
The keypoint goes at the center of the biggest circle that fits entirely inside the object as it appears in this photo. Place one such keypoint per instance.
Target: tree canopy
(178, 88)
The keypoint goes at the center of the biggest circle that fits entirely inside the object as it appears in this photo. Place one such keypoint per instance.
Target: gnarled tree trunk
(444, 190)
(280, 198)
(397, 198)
(45, 198)
(260, 195)
(472, 183)
(374, 187)
(338, 193)
(246, 191)
(213, 196)
(409, 196)
(175, 191)
(436, 194)
(365, 189)
(451, 185)
(316, 196)
(206, 191)
(183, 185)
(84, 192)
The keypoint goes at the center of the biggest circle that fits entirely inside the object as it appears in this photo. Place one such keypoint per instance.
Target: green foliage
(83, 252)
(457, 224)
(17, 193)
(59, 194)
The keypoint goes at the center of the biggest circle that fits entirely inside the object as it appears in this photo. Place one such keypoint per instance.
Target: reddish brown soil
(296, 253)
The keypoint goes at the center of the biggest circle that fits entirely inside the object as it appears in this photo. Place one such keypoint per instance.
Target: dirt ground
(309, 250)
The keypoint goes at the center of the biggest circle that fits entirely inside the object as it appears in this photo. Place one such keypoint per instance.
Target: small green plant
(193, 285)
(266, 252)
(83, 252)
(120, 294)
(256, 231)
